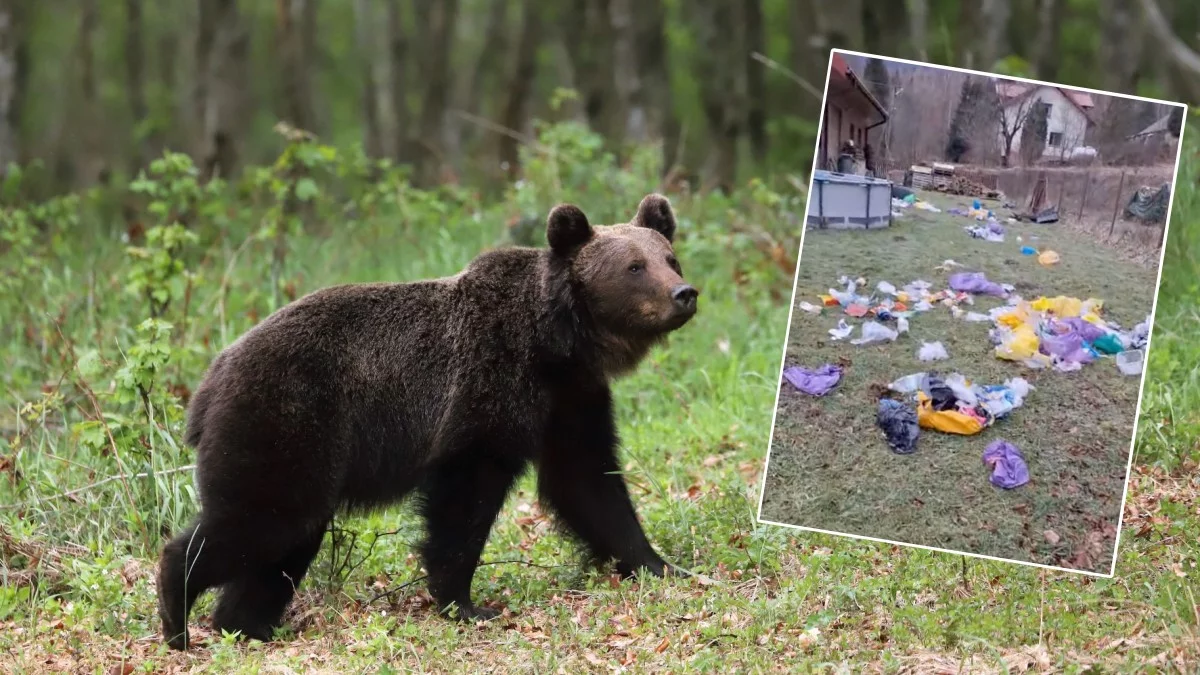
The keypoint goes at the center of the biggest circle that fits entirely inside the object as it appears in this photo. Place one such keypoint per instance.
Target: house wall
(842, 120)
(1065, 119)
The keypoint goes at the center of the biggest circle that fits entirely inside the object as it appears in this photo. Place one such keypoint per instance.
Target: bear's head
(625, 276)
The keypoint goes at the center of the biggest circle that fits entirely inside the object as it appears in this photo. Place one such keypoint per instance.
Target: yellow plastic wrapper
(1048, 258)
(947, 421)
(1062, 306)
(829, 300)
(1019, 345)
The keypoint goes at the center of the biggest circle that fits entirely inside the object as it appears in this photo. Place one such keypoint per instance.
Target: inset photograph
(971, 313)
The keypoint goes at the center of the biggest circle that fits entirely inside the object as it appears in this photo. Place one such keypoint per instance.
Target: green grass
(77, 570)
(830, 466)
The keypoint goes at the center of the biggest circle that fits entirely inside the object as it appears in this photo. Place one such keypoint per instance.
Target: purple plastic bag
(975, 282)
(1087, 330)
(1068, 346)
(1008, 466)
(995, 228)
(816, 382)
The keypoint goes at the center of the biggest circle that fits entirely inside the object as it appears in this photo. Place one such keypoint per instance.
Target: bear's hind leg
(190, 564)
(254, 603)
(460, 503)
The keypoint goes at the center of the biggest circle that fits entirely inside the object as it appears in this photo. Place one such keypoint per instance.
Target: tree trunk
(722, 83)
(809, 56)
(90, 158)
(587, 29)
(841, 24)
(135, 56)
(222, 51)
(918, 28)
(516, 104)
(627, 76)
(296, 26)
(12, 36)
(440, 36)
(756, 90)
(398, 82)
(651, 43)
(364, 34)
(1045, 48)
(1120, 45)
(995, 17)
(489, 66)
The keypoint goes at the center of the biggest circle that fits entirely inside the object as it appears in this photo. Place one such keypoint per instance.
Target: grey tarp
(1149, 204)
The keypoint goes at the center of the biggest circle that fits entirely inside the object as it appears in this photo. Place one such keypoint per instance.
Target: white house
(1067, 122)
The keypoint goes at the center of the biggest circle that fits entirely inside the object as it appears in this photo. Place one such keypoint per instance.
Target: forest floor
(83, 514)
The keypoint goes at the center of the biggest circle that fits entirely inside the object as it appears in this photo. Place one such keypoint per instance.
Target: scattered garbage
(1131, 362)
(926, 206)
(874, 332)
(1008, 466)
(899, 424)
(1028, 250)
(816, 382)
(955, 405)
(810, 308)
(1149, 204)
(976, 282)
(932, 351)
(1049, 258)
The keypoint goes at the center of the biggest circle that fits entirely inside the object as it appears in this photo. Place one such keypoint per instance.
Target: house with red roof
(1068, 119)
(850, 111)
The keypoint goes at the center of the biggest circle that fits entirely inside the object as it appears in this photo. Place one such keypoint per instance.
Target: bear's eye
(675, 265)
(635, 268)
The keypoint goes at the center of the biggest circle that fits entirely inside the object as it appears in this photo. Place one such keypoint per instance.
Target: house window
(1054, 140)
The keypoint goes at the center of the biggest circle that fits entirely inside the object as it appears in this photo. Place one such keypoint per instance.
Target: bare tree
(588, 35)
(516, 104)
(91, 155)
(1011, 119)
(1120, 45)
(489, 66)
(918, 27)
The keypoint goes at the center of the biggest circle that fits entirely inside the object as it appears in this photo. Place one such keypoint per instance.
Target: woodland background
(91, 91)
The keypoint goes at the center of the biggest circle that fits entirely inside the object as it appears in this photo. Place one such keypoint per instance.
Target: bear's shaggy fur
(355, 396)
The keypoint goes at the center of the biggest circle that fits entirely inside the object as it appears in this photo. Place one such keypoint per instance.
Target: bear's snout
(684, 297)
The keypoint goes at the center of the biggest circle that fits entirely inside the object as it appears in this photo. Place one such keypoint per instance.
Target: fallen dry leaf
(1051, 537)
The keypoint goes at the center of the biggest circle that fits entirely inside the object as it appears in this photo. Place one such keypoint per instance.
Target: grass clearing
(830, 466)
(76, 572)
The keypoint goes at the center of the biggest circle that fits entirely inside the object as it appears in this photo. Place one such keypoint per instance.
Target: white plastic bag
(842, 331)
(908, 384)
(1130, 362)
(932, 351)
(886, 288)
(874, 332)
(810, 308)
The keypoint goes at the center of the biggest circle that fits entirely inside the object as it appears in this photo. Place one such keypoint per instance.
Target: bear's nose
(685, 297)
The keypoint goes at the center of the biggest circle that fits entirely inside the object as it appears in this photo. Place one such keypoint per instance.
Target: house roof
(1011, 92)
(1161, 125)
(843, 79)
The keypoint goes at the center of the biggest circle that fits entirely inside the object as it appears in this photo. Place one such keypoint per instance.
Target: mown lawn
(78, 553)
(830, 466)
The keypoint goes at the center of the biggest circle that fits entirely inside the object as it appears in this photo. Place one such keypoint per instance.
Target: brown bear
(355, 396)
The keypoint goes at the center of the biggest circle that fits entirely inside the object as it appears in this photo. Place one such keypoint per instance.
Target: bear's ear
(655, 212)
(567, 229)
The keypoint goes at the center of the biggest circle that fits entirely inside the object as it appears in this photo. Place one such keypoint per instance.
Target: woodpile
(969, 188)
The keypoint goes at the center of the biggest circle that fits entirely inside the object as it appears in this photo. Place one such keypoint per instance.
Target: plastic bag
(842, 331)
(1049, 258)
(815, 382)
(1062, 306)
(948, 421)
(975, 282)
(886, 288)
(1108, 344)
(962, 388)
(899, 424)
(874, 332)
(909, 383)
(810, 308)
(932, 351)
(1008, 465)
(1018, 344)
